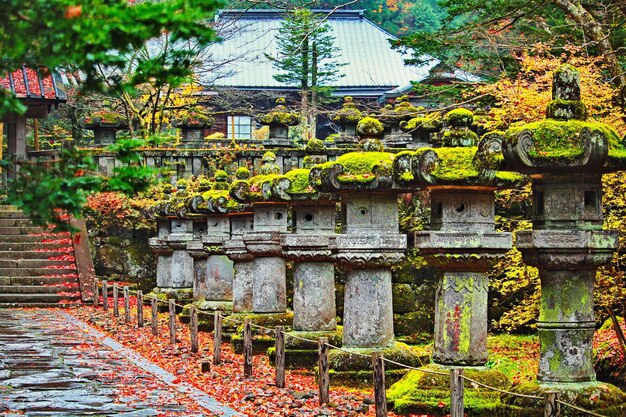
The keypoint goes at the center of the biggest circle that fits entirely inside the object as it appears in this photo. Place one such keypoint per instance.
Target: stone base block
(363, 379)
(301, 353)
(182, 296)
(355, 370)
(599, 397)
(421, 393)
(262, 339)
(206, 309)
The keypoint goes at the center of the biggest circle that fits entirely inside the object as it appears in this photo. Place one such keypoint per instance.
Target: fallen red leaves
(256, 396)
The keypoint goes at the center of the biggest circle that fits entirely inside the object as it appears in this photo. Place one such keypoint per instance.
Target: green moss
(242, 173)
(427, 124)
(280, 115)
(315, 145)
(456, 164)
(401, 353)
(220, 175)
(423, 393)
(559, 140)
(460, 117)
(566, 110)
(299, 181)
(370, 127)
(348, 112)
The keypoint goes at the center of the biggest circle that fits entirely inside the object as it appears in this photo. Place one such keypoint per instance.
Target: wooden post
(116, 307)
(126, 305)
(155, 316)
(36, 133)
(380, 396)
(172, 326)
(552, 408)
(324, 368)
(279, 360)
(456, 393)
(247, 348)
(217, 339)
(105, 296)
(193, 323)
(96, 292)
(139, 308)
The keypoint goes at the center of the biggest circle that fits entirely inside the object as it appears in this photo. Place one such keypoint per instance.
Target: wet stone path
(52, 365)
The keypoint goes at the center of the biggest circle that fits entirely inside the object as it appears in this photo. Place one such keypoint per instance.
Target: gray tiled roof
(372, 66)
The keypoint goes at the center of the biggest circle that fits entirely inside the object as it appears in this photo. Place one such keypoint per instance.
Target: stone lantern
(421, 129)
(279, 120)
(392, 116)
(313, 224)
(462, 244)
(104, 125)
(565, 156)
(213, 284)
(175, 270)
(347, 118)
(264, 244)
(193, 123)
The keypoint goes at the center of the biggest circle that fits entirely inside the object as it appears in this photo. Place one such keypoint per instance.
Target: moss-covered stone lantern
(104, 124)
(279, 120)
(421, 129)
(462, 243)
(347, 118)
(566, 155)
(459, 131)
(193, 122)
(213, 283)
(175, 270)
(392, 116)
(264, 243)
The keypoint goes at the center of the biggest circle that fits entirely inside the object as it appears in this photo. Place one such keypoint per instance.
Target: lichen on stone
(370, 127)
(280, 116)
(460, 117)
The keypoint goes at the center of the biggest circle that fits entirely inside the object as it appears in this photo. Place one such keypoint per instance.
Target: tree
(481, 35)
(306, 59)
(95, 39)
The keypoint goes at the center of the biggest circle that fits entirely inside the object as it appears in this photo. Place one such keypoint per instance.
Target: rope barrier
(298, 337)
(426, 371)
(347, 351)
(580, 409)
(532, 397)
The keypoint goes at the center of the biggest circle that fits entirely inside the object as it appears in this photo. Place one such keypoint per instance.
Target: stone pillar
(369, 247)
(181, 267)
(269, 292)
(461, 245)
(243, 267)
(159, 246)
(567, 246)
(192, 137)
(214, 271)
(314, 272)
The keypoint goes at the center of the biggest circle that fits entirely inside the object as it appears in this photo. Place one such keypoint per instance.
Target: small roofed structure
(38, 89)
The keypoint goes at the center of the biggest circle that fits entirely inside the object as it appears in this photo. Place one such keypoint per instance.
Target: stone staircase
(37, 267)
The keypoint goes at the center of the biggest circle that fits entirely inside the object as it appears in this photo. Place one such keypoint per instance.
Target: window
(239, 127)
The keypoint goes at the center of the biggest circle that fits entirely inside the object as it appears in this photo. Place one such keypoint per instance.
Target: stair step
(26, 254)
(8, 207)
(35, 298)
(22, 230)
(33, 263)
(35, 238)
(24, 272)
(35, 289)
(35, 281)
(12, 214)
(15, 222)
(33, 247)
